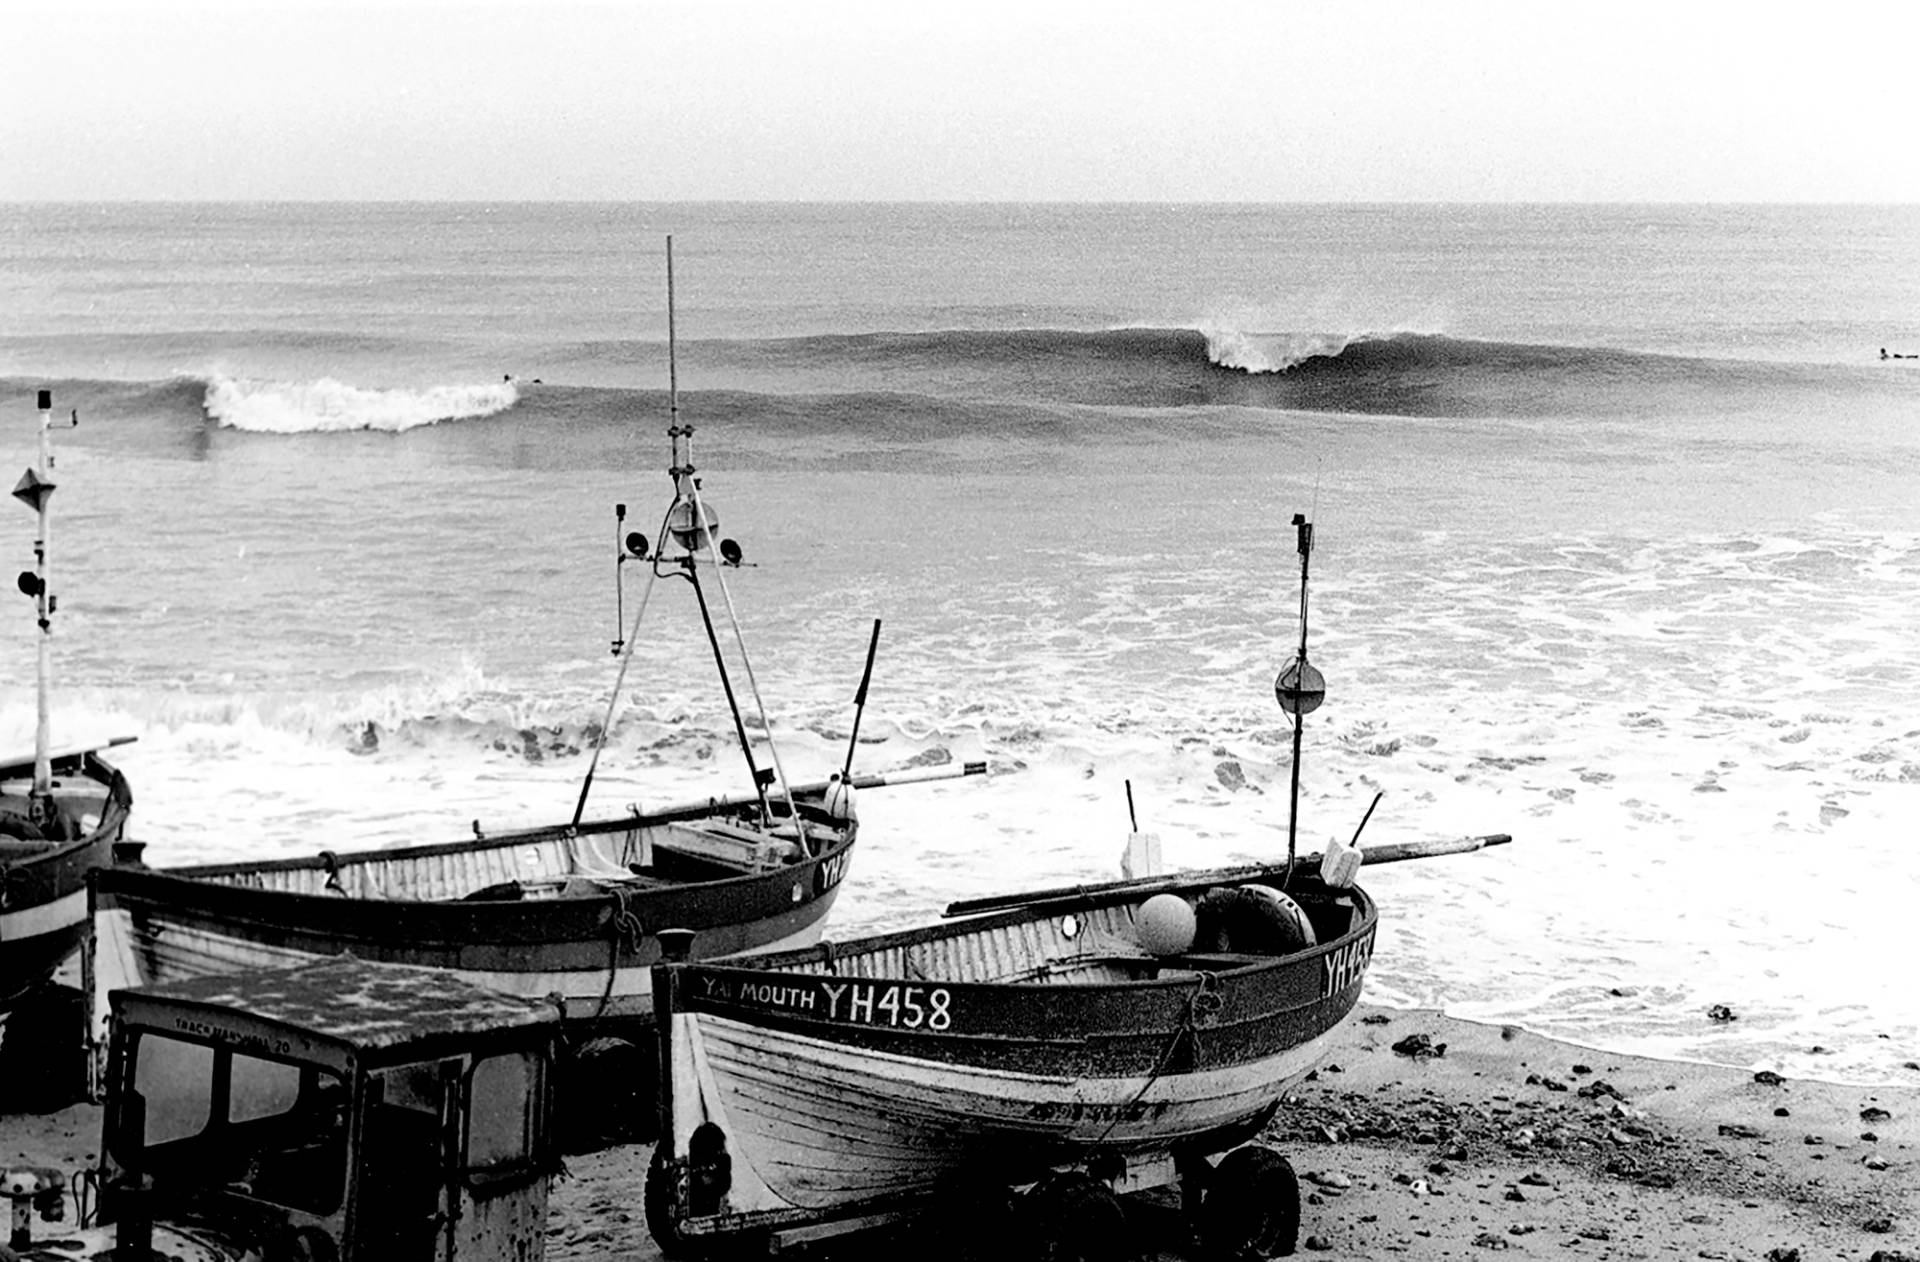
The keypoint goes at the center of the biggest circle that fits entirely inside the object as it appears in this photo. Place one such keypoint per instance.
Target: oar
(1391, 852)
(716, 805)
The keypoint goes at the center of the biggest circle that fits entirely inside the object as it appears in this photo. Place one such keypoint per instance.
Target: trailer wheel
(607, 1089)
(1072, 1217)
(970, 1221)
(1252, 1207)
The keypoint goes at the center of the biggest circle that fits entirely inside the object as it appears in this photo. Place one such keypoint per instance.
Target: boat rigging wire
(620, 678)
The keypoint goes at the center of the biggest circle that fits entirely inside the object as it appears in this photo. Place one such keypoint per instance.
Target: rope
(707, 524)
(1204, 1001)
(606, 728)
(624, 928)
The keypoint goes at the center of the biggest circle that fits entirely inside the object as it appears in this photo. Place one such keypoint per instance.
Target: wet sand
(1502, 1141)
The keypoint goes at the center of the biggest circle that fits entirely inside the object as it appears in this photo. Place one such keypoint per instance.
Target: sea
(1615, 551)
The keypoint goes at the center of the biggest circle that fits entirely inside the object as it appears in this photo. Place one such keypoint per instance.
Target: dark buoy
(1252, 1207)
(1300, 687)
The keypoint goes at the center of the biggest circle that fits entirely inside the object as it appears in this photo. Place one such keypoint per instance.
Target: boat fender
(839, 800)
(1250, 920)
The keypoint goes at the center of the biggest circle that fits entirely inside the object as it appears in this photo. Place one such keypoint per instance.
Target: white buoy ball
(1164, 924)
(839, 800)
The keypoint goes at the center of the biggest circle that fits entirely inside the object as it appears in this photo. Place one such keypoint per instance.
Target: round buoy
(839, 800)
(1252, 1207)
(1165, 924)
(1300, 688)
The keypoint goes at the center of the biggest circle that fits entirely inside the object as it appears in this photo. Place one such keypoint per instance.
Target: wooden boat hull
(857, 1077)
(43, 883)
(552, 911)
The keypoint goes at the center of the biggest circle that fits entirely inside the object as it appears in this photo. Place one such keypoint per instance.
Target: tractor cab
(338, 1111)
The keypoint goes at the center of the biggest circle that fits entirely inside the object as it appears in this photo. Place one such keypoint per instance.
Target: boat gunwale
(168, 885)
(829, 952)
(324, 859)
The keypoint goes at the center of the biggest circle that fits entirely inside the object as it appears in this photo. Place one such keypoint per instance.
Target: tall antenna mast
(1299, 688)
(35, 490)
(673, 379)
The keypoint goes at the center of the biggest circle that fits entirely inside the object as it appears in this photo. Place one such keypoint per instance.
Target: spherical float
(839, 798)
(1165, 924)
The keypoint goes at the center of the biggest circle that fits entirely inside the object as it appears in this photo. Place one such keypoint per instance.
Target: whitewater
(1619, 542)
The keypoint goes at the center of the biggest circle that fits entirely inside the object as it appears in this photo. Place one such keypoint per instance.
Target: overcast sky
(971, 100)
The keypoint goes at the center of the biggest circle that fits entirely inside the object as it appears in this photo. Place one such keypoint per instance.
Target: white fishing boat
(1073, 1044)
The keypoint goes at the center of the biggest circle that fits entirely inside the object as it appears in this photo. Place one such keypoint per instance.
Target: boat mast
(699, 533)
(35, 489)
(1299, 688)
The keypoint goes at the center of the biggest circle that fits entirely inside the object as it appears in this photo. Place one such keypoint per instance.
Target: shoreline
(1470, 1137)
(1894, 1081)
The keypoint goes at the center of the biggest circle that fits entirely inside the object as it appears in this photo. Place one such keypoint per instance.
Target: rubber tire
(1073, 1217)
(1252, 1207)
(970, 1220)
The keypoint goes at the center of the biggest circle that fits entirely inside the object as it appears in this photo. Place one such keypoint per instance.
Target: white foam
(326, 405)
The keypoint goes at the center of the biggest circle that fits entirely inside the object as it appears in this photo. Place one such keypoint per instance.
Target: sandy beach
(1425, 1137)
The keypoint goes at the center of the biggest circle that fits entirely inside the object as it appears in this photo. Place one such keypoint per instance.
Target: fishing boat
(63, 808)
(1068, 1045)
(571, 909)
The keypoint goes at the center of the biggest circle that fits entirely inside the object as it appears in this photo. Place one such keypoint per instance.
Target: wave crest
(1272, 352)
(328, 406)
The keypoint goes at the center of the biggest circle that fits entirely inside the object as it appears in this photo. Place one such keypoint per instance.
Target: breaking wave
(326, 405)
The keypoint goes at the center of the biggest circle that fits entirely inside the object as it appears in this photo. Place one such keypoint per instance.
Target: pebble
(1319, 1244)
(1873, 1114)
(1418, 1045)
